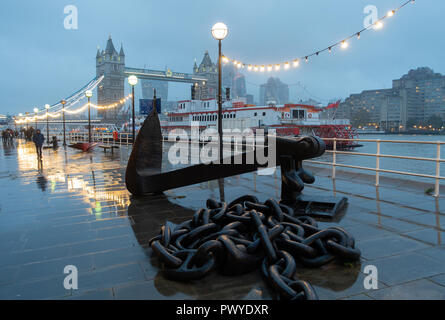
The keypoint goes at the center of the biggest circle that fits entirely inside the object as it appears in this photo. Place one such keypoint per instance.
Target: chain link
(247, 234)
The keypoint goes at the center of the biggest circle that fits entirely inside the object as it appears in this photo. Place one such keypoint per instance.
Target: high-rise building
(148, 87)
(274, 91)
(111, 65)
(369, 101)
(423, 93)
(235, 80)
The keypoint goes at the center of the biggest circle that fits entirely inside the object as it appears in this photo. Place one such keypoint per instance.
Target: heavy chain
(246, 234)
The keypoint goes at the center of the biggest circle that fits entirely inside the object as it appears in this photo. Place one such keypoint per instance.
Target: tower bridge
(111, 65)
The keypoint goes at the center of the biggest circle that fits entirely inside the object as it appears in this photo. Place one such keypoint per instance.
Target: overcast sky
(42, 62)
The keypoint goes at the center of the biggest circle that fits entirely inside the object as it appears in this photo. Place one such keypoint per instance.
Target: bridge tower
(209, 70)
(112, 65)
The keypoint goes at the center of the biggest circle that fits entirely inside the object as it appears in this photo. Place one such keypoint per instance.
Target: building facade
(416, 96)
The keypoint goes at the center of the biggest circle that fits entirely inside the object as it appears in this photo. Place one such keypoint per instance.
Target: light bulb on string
(269, 67)
(249, 67)
(296, 62)
(262, 68)
(378, 25)
(390, 13)
(344, 44)
(277, 67)
(286, 65)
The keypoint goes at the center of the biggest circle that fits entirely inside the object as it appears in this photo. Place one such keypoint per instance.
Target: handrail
(438, 160)
(124, 139)
(390, 141)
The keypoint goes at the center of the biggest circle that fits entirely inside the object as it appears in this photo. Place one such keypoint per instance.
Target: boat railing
(379, 155)
(309, 122)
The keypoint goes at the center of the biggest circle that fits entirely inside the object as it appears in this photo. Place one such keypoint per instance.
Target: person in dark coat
(38, 139)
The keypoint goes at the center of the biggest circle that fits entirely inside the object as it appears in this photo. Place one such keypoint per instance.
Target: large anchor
(144, 169)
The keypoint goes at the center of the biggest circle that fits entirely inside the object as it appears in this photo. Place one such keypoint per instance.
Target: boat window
(254, 114)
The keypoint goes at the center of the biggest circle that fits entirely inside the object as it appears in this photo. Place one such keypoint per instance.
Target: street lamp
(219, 32)
(36, 110)
(26, 121)
(89, 94)
(20, 115)
(63, 102)
(47, 106)
(133, 80)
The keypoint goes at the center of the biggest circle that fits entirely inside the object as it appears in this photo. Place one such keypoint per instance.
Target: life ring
(287, 115)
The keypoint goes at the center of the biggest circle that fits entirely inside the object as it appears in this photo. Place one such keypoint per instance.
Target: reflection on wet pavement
(74, 209)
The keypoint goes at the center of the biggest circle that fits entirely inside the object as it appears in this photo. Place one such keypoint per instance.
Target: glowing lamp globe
(47, 106)
(132, 80)
(219, 31)
(36, 110)
(88, 93)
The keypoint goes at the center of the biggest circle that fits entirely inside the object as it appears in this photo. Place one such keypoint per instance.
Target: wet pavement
(75, 210)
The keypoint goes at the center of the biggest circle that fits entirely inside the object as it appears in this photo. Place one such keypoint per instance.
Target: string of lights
(344, 44)
(58, 113)
(113, 105)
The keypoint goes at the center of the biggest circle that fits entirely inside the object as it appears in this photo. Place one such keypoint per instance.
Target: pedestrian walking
(38, 139)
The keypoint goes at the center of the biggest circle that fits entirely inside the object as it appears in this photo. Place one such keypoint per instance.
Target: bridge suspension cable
(58, 113)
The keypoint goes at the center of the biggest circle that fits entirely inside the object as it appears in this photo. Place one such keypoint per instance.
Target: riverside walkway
(75, 210)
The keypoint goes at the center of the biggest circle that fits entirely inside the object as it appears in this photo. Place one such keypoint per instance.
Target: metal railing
(125, 139)
(106, 138)
(378, 155)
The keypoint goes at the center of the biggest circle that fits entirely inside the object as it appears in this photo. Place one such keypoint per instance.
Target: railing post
(334, 158)
(437, 187)
(377, 165)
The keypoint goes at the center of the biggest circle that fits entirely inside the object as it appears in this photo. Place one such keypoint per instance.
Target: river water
(399, 149)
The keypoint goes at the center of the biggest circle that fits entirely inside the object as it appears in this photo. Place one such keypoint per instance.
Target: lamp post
(89, 94)
(219, 32)
(26, 120)
(36, 110)
(63, 102)
(47, 106)
(133, 80)
(20, 116)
